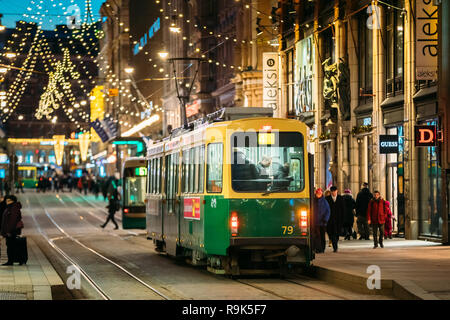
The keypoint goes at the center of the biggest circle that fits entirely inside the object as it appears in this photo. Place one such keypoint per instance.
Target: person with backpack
(11, 227)
(376, 217)
(114, 203)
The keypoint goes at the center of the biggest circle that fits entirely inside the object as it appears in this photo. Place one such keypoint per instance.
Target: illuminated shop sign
(144, 39)
(270, 80)
(425, 136)
(388, 144)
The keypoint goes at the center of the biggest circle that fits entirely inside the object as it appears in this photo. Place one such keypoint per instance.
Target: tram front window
(267, 162)
(134, 191)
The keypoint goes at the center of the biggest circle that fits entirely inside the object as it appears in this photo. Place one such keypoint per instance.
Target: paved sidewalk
(34, 281)
(410, 269)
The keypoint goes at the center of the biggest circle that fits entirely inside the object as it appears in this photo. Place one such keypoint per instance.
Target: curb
(400, 289)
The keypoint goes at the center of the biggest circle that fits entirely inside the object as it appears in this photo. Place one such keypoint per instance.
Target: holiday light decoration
(52, 97)
(59, 148)
(84, 145)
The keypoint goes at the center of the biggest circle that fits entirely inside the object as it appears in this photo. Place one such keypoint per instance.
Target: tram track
(291, 281)
(97, 287)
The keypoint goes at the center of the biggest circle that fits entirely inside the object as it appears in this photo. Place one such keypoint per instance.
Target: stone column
(411, 153)
(379, 161)
(352, 39)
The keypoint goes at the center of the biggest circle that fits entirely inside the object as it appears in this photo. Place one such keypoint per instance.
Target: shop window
(430, 211)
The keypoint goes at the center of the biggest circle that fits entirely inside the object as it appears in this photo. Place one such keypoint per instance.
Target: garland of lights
(52, 96)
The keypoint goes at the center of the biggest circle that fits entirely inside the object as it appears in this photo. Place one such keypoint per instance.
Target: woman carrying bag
(11, 227)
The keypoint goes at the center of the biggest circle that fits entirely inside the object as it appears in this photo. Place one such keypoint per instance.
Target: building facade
(353, 74)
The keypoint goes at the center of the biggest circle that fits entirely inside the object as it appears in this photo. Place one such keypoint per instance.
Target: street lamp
(129, 70)
(163, 53)
(184, 95)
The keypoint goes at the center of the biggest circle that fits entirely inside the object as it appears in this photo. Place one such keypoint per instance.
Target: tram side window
(214, 167)
(201, 162)
(158, 174)
(185, 172)
(191, 170)
(150, 177)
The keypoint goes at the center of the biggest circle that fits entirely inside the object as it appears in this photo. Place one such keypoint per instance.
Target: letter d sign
(425, 136)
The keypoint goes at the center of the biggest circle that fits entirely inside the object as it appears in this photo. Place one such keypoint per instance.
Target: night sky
(13, 11)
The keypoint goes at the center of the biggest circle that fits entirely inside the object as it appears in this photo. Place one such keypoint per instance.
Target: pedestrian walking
(349, 214)
(19, 185)
(114, 203)
(11, 226)
(319, 217)
(334, 225)
(56, 184)
(1, 187)
(80, 185)
(7, 188)
(376, 217)
(362, 202)
(388, 224)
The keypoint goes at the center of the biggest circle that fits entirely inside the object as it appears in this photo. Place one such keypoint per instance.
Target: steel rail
(103, 257)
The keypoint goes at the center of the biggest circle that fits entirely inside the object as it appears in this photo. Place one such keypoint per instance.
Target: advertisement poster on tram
(192, 208)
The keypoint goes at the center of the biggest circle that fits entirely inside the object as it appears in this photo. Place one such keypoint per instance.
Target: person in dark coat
(362, 202)
(319, 218)
(376, 217)
(10, 229)
(337, 208)
(114, 203)
(349, 216)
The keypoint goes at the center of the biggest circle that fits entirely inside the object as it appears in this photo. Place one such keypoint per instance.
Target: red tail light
(234, 223)
(125, 210)
(304, 221)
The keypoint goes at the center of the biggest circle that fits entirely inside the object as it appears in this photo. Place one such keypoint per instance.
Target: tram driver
(242, 172)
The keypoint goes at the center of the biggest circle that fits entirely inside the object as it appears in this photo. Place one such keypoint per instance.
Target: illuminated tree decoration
(52, 97)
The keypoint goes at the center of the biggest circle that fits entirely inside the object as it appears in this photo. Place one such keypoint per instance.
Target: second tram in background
(134, 190)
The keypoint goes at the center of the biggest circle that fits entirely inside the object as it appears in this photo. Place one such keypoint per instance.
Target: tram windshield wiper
(273, 191)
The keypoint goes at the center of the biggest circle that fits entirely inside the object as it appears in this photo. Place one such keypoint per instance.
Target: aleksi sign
(425, 136)
(427, 40)
(270, 80)
(388, 144)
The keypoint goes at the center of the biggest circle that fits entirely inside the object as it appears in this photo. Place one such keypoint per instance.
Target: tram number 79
(288, 229)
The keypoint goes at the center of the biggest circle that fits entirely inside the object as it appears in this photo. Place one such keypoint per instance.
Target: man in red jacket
(376, 216)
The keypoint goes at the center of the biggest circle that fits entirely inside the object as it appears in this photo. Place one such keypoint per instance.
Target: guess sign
(388, 144)
(425, 136)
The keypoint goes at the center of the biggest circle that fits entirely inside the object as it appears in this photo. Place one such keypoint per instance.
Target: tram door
(171, 207)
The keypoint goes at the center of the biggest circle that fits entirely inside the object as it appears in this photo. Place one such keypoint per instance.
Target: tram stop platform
(37, 280)
(408, 269)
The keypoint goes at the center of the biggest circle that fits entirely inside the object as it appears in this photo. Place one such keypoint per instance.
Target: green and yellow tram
(134, 190)
(232, 195)
(27, 174)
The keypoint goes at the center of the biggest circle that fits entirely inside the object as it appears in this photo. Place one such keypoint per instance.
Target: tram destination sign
(388, 144)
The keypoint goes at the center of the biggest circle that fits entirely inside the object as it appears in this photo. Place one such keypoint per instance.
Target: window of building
(395, 50)
(365, 36)
(290, 74)
(214, 167)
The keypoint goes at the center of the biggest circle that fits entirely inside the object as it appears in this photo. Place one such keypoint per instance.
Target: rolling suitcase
(20, 249)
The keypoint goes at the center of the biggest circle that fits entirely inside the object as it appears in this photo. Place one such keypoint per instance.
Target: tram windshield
(267, 162)
(134, 188)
